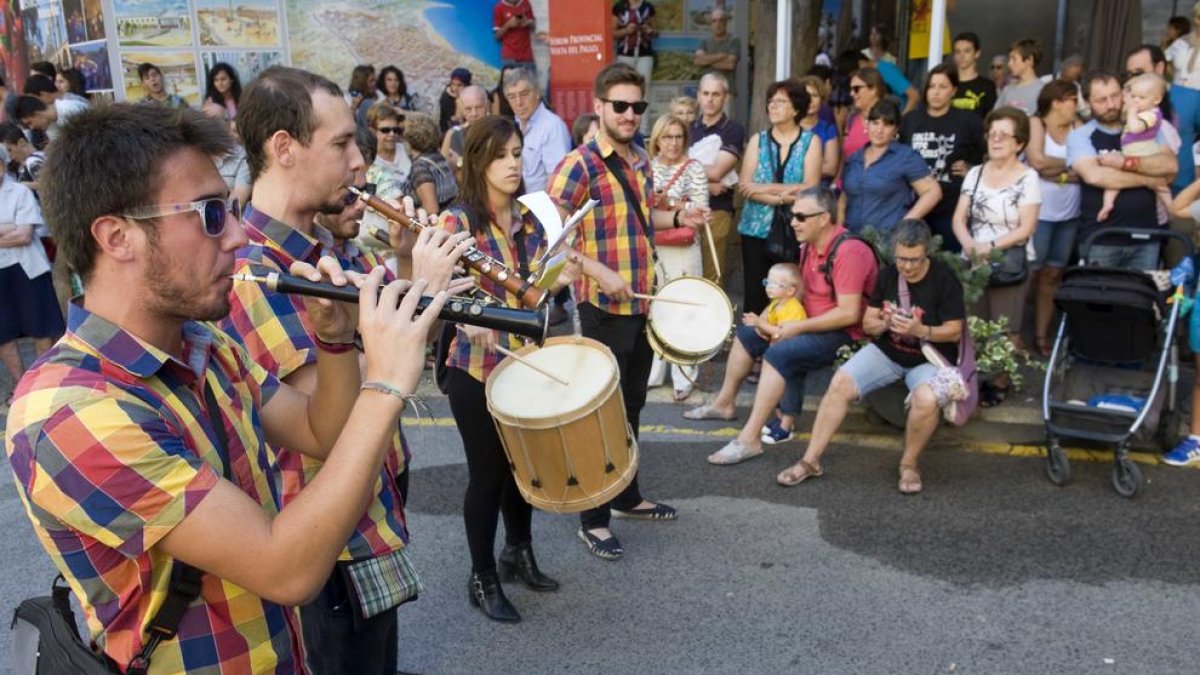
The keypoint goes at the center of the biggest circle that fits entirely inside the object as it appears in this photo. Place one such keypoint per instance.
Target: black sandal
(656, 512)
(605, 549)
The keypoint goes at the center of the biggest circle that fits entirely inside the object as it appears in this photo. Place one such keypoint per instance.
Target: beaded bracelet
(385, 388)
(334, 347)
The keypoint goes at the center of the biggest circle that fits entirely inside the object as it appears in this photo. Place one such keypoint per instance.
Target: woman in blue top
(780, 162)
(879, 180)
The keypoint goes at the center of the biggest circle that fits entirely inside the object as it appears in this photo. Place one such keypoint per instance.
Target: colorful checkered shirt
(276, 331)
(500, 245)
(611, 233)
(111, 448)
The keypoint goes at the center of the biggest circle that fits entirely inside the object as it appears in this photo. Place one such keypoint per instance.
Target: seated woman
(935, 316)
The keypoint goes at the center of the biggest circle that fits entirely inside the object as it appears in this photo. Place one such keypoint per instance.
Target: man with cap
(448, 105)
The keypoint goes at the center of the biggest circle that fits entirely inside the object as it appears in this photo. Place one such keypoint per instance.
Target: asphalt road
(990, 570)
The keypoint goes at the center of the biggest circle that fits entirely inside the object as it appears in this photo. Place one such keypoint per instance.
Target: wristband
(385, 388)
(334, 347)
(1131, 164)
(1062, 178)
(675, 221)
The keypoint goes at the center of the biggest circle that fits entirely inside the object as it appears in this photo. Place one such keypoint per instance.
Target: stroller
(1114, 350)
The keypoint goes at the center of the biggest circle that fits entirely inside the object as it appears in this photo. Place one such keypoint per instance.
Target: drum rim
(685, 357)
(551, 421)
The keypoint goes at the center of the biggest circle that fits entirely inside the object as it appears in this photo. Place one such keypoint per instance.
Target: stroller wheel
(1126, 477)
(1058, 467)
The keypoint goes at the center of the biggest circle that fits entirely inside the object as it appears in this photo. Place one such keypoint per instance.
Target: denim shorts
(872, 370)
(1053, 243)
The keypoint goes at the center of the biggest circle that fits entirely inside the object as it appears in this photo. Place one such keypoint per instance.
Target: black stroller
(1114, 351)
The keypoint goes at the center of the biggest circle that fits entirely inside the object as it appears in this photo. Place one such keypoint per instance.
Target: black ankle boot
(488, 596)
(517, 562)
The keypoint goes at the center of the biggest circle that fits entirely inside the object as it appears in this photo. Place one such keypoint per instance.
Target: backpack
(826, 269)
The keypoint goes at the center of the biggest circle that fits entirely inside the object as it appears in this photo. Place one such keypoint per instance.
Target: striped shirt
(611, 233)
(111, 448)
(277, 333)
(502, 246)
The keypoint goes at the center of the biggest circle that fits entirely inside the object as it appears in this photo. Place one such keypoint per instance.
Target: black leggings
(754, 269)
(491, 489)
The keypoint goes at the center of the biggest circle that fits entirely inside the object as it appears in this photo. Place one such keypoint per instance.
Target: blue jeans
(1053, 242)
(1138, 257)
(337, 640)
(1187, 113)
(794, 358)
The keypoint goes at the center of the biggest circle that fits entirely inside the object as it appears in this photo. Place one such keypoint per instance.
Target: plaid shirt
(611, 232)
(111, 448)
(276, 331)
(502, 246)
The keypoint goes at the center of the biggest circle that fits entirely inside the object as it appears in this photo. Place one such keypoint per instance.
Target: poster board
(581, 44)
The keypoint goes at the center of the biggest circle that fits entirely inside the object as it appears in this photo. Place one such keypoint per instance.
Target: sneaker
(1187, 452)
(774, 433)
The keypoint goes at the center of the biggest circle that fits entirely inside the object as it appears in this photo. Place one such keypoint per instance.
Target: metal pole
(1060, 34)
(937, 29)
(783, 40)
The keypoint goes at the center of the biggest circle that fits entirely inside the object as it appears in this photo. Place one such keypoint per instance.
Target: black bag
(46, 641)
(782, 246)
(1013, 267)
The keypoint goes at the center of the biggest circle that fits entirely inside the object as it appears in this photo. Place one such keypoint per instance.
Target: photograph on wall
(76, 24)
(93, 16)
(153, 23)
(247, 64)
(91, 60)
(698, 12)
(14, 62)
(668, 15)
(246, 23)
(45, 30)
(178, 69)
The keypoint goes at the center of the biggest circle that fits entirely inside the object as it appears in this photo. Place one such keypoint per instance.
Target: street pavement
(991, 570)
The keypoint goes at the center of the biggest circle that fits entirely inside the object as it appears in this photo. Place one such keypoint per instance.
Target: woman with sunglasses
(866, 89)
(878, 181)
(949, 140)
(487, 208)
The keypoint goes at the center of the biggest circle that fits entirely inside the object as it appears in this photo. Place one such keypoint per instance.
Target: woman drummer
(487, 208)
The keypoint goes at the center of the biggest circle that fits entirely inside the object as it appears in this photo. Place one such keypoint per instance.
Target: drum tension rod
(572, 481)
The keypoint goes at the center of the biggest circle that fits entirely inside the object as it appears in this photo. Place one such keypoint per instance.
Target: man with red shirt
(513, 22)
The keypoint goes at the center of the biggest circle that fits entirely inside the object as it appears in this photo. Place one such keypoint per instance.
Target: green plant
(846, 351)
(995, 353)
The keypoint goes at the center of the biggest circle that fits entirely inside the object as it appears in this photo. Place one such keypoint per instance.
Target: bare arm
(703, 59)
(1047, 167)
(15, 236)
(831, 158)
(1107, 178)
(1028, 223)
(844, 315)
(427, 195)
(1181, 206)
(911, 98)
(929, 193)
(873, 322)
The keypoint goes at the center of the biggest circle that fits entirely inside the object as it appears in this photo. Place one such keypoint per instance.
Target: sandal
(707, 412)
(605, 549)
(732, 453)
(682, 395)
(656, 512)
(991, 396)
(1043, 345)
(755, 371)
(910, 480)
(798, 473)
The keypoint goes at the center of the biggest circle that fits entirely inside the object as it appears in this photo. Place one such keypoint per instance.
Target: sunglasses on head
(620, 107)
(214, 212)
(391, 130)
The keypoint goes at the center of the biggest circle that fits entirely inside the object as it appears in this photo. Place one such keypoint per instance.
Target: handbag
(1012, 269)
(781, 244)
(956, 386)
(676, 236)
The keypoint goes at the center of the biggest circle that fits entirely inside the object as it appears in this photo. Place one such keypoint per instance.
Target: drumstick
(674, 301)
(529, 364)
(712, 247)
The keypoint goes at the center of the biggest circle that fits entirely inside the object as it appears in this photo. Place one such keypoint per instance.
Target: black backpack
(826, 269)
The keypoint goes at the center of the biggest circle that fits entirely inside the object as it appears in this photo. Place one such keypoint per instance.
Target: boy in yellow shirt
(784, 288)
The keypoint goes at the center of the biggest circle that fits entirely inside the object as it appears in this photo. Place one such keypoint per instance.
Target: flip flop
(706, 412)
(798, 473)
(732, 453)
(910, 480)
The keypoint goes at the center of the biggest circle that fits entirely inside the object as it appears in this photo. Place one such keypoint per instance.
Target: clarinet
(533, 324)
(530, 295)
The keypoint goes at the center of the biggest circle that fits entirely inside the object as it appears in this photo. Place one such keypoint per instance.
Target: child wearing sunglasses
(784, 288)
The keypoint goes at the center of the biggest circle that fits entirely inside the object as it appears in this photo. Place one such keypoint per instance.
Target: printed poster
(248, 23)
(153, 23)
(91, 60)
(247, 64)
(45, 31)
(178, 69)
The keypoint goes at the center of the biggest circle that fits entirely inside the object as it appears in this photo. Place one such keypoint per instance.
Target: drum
(570, 448)
(688, 335)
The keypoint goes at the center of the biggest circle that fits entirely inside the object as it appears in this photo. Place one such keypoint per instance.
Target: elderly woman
(679, 183)
(949, 140)
(932, 317)
(824, 130)
(780, 162)
(879, 180)
(431, 182)
(866, 89)
(998, 211)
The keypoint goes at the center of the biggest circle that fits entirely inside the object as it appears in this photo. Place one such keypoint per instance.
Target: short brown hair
(279, 99)
(1019, 119)
(1054, 91)
(422, 133)
(617, 73)
(80, 182)
(382, 110)
(1028, 49)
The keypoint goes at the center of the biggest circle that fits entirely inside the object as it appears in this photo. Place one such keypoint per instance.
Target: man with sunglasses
(616, 241)
(302, 163)
(140, 440)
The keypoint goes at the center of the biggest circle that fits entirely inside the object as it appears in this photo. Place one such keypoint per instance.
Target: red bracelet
(334, 347)
(1131, 164)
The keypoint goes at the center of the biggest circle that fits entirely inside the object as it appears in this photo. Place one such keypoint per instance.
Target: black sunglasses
(214, 212)
(391, 130)
(801, 217)
(619, 107)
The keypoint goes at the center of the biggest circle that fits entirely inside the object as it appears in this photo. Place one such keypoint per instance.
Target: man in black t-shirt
(934, 312)
(975, 94)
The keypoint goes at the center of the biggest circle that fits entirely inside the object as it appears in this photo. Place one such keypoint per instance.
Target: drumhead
(522, 393)
(689, 329)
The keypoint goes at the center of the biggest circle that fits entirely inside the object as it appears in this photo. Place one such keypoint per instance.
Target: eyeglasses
(620, 107)
(391, 130)
(997, 66)
(671, 137)
(801, 217)
(855, 88)
(910, 262)
(768, 283)
(214, 212)
(999, 136)
(779, 101)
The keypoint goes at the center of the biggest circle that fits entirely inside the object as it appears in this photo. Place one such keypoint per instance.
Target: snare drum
(688, 335)
(570, 448)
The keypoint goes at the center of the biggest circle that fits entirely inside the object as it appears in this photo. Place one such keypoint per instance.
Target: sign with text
(581, 44)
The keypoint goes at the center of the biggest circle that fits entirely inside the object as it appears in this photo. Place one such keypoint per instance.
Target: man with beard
(1094, 152)
(617, 247)
(139, 441)
(296, 127)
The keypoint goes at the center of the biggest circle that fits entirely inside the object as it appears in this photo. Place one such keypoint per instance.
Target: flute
(530, 295)
(534, 324)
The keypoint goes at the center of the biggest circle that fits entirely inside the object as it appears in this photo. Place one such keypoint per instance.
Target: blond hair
(660, 127)
(790, 270)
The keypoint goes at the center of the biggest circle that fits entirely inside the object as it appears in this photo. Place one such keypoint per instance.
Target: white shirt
(1180, 55)
(18, 205)
(547, 141)
(66, 109)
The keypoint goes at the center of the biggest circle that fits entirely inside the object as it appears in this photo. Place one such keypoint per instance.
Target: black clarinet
(533, 324)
